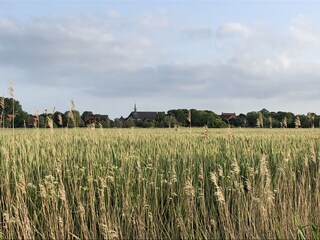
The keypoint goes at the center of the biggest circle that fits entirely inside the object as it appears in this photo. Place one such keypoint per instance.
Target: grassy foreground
(137, 184)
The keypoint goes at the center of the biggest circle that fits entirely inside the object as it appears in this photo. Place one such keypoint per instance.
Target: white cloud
(233, 29)
(153, 22)
(285, 61)
(303, 35)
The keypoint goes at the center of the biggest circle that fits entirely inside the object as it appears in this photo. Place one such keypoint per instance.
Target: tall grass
(132, 183)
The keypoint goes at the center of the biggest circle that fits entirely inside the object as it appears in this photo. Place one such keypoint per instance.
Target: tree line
(173, 118)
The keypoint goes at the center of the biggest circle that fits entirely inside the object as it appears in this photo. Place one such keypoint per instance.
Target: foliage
(129, 123)
(21, 117)
(72, 119)
(174, 117)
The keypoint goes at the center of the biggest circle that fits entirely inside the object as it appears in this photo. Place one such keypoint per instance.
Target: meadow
(159, 183)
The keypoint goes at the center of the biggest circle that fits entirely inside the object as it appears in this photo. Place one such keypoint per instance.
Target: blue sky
(231, 56)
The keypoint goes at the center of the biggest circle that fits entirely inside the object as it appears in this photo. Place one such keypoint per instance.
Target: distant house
(140, 117)
(95, 119)
(228, 116)
(33, 121)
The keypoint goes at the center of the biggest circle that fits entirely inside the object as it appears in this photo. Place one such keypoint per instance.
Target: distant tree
(42, 121)
(118, 123)
(216, 122)
(21, 117)
(311, 116)
(241, 120)
(129, 123)
(265, 113)
(160, 120)
(290, 118)
(111, 124)
(199, 118)
(105, 123)
(86, 114)
(180, 115)
(236, 122)
(170, 121)
(252, 118)
(58, 119)
(72, 118)
(147, 123)
(304, 121)
(317, 121)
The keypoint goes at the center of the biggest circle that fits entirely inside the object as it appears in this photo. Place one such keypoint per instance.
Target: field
(138, 184)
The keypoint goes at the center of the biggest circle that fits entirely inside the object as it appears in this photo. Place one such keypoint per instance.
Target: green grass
(160, 183)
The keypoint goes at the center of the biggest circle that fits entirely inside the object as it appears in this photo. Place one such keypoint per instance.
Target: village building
(228, 116)
(141, 117)
(95, 119)
(33, 121)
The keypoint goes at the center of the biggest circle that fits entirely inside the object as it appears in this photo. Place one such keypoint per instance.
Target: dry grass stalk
(189, 117)
(11, 89)
(205, 130)
(60, 122)
(2, 103)
(151, 185)
(50, 122)
(218, 193)
(11, 92)
(189, 189)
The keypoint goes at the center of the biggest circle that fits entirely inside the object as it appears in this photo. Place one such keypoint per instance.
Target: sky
(223, 56)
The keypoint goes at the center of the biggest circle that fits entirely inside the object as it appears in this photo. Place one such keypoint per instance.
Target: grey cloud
(197, 33)
(207, 81)
(65, 48)
(99, 59)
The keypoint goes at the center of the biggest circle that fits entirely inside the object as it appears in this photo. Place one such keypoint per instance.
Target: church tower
(135, 114)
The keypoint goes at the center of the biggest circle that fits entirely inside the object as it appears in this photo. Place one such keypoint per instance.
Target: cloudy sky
(225, 56)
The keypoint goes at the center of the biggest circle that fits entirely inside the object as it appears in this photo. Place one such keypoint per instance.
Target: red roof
(228, 115)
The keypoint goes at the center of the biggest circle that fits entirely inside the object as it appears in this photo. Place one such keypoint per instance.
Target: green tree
(252, 118)
(170, 121)
(111, 124)
(72, 118)
(180, 115)
(42, 121)
(160, 119)
(58, 119)
(118, 123)
(21, 117)
(129, 123)
(85, 115)
(311, 117)
(147, 123)
(105, 123)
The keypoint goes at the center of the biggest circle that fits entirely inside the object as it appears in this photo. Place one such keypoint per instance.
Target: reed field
(160, 184)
